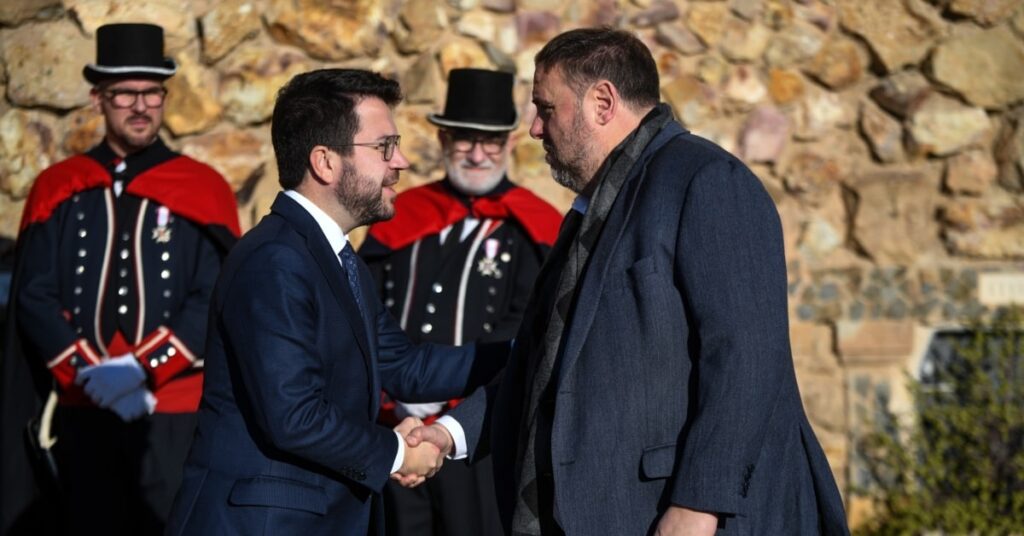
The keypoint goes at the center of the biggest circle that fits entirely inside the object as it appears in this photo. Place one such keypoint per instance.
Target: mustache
(144, 117)
(390, 179)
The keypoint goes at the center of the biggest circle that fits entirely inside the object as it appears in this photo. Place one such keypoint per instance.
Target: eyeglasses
(463, 142)
(386, 146)
(126, 98)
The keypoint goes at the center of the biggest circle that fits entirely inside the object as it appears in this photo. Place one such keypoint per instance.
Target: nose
(537, 128)
(139, 106)
(398, 160)
(477, 154)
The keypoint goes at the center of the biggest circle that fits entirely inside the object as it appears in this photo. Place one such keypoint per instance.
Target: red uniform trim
(189, 188)
(426, 210)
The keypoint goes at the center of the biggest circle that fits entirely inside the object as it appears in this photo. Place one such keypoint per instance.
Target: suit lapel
(328, 262)
(592, 284)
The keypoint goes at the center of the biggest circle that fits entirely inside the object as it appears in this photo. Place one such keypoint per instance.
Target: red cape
(426, 210)
(189, 188)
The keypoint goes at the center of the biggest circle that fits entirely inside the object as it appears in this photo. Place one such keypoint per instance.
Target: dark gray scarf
(575, 242)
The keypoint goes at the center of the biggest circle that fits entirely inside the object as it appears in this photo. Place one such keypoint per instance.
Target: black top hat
(478, 100)
(127, 50)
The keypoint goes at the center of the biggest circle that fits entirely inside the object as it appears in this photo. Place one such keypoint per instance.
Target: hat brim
(98, 73)
(489, 127)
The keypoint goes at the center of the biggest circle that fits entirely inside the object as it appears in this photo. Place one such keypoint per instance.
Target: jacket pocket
(658, 462)
(280, 493)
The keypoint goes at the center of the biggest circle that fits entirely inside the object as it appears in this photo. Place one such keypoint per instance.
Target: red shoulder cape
(427, 209)
(189, 188)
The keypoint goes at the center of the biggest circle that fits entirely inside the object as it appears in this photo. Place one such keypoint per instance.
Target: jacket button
(437, 288)
(427, 328)
(431, 308)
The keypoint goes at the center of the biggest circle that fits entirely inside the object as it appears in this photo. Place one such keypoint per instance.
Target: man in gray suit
(651, 389)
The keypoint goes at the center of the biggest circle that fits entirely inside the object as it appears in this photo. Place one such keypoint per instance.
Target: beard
(363, 197)
(459, 175)
(570, 163)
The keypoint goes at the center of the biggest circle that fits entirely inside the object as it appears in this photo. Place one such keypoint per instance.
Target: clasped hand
(425, 450)
(119, 385)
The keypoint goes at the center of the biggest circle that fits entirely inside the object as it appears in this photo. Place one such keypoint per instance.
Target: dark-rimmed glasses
(386, 146)
(463, 142)
(126, 98)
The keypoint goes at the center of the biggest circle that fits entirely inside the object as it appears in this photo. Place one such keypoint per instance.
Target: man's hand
(407, 425)
(436, 434)
(112, 379)
(421, 462)
(680, 521)
(134, 404)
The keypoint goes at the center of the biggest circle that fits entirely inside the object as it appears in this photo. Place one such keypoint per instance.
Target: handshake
(425, 450)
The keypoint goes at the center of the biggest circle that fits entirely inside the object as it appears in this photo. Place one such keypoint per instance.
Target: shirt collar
(332, 231)
(580, 204)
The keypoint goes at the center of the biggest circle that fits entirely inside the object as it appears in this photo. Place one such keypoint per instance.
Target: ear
(96, 98)
(605, 101)
(323, 164)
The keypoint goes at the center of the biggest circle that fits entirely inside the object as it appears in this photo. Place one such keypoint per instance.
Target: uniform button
(123, 272)
(387, 267)
(82, 233)
(75, 198)
(389, 284)
(124, 253)
(167, 314)
(431, 308)
(492, 291)
(122, 309)
(172, 351)
(437, 288)
(389, 302)
(167, 293)
(77, 310)
(489, 308)
(163, 359)
(165, 274)
(80, 216)
(81, 253)
(125, 236)
(165, 256)
(78, 290)
(80, 269)
(487, 327)
(505, 257)
(123, 291)
(153, 363)
(427, 328)
(78, 330)
(74, 359)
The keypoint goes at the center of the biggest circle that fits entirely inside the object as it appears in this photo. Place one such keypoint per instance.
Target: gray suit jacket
(676, 385)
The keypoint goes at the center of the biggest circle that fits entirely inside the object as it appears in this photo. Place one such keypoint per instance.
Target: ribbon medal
(488, 265)
(162, 233)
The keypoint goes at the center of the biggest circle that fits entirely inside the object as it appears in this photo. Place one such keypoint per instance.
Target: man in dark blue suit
(651, 389)
(300, 346)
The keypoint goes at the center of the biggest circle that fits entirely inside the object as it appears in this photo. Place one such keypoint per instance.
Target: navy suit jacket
(676, 383)
(287, 441)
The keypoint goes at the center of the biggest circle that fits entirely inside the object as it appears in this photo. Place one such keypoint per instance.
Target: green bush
(958, 467)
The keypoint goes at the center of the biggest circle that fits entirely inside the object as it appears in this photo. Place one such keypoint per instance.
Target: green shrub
(958, 467)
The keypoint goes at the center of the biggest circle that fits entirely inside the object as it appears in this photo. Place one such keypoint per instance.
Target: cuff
(64, 366)
(458, 436)
(400, 455)
(163, 356)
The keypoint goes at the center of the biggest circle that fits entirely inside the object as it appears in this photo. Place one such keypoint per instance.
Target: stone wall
(889, 132)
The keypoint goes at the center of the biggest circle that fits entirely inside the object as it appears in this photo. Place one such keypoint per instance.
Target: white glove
(111, 379)
(403, 410)
(135, 404)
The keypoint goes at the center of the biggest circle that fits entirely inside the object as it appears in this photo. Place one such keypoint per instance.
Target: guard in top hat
(117, 255)
(456, 265)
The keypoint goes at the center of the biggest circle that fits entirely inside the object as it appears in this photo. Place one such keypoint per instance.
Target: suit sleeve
(731, 270)
(181, 339)
(428, 372)
(269, 317)
(42, 319)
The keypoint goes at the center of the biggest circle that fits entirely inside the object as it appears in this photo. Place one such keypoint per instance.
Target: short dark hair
(587, 55)
(319, 108)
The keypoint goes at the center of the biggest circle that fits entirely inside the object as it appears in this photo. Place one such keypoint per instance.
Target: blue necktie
(349, 261)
